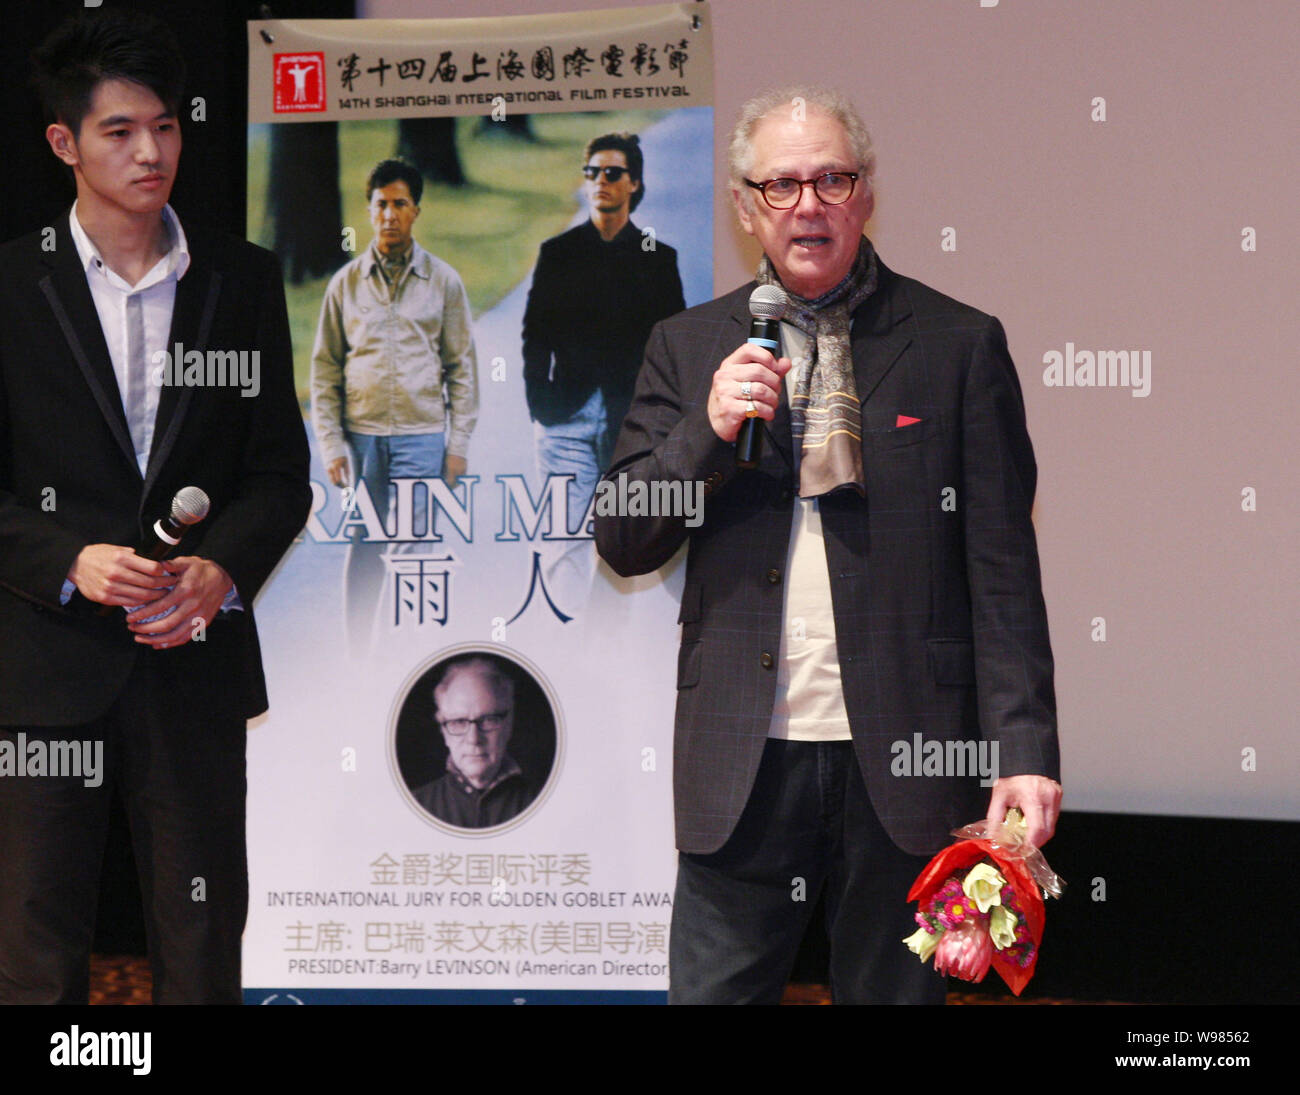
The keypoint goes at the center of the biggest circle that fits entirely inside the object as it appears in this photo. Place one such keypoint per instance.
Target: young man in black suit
(135, 359)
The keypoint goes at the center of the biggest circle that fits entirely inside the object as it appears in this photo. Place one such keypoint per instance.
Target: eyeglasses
(487, 724)
(833, 188)
(612, 173)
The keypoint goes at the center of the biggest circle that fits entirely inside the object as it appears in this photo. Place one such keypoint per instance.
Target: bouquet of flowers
(980, 903)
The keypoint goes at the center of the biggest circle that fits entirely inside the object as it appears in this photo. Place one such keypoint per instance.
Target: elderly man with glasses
(872, 580)
(483, 785)
(597, 290)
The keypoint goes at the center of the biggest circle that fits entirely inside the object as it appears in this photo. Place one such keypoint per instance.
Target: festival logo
(299, 82)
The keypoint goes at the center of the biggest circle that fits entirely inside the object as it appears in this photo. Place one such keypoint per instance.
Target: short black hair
(391, 171)
(630, 145)
(114, 44)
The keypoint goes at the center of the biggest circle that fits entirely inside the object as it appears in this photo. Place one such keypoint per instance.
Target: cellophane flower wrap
(980, 903)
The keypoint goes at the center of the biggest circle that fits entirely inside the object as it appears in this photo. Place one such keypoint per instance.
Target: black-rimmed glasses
(833, 188)
(487, 724)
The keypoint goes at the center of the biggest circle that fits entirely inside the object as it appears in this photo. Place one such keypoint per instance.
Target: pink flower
(966, 951)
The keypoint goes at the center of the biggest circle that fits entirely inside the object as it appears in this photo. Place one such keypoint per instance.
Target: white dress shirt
(117, 302)
(155, 296)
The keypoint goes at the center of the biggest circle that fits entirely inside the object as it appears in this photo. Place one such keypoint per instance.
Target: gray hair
(827, 100)
(480, 665)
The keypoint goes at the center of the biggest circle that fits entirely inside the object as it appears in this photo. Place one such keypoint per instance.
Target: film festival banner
(462, 791)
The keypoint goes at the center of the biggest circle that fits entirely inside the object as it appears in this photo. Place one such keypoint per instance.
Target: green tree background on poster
(515, 194)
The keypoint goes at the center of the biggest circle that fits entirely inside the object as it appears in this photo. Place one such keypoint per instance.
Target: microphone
(189, 506)
(766, 306)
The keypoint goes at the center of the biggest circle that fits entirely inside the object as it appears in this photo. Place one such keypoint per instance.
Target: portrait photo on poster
(476, 740)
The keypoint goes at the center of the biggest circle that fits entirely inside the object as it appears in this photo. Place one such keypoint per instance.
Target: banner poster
(463, 789)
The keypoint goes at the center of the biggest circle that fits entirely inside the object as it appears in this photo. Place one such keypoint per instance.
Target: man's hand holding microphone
(747, 385)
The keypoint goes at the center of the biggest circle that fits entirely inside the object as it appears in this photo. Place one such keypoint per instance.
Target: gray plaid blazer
(939, 617)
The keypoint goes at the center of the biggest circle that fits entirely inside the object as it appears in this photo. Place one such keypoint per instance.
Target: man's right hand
(727, 406)
(337, 470)
(112, 575)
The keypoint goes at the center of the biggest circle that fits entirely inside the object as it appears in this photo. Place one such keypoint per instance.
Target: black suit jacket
(590, 309)
(939, 616)
(68, 475)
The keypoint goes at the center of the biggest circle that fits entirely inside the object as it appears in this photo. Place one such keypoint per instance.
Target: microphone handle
(165, 537)
(749, 442)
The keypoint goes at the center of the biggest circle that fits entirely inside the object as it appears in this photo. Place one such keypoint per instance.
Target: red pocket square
(905, 420)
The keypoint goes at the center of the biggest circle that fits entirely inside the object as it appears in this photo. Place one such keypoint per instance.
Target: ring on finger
(751, 411)
(746, 389)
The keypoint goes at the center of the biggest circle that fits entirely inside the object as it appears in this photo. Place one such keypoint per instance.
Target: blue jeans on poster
(579, 446)
(379, 460)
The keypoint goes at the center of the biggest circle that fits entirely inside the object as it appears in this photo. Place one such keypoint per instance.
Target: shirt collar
(508, 770)
(419, 264)
(177, 259)
(625, 236)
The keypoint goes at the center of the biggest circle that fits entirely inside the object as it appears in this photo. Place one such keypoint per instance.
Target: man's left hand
(1037, 797)
(200, 589)
(453, 467)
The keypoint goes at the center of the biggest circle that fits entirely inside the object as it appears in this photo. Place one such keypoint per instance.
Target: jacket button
(766, 660)
(787, 495)
(774, 576)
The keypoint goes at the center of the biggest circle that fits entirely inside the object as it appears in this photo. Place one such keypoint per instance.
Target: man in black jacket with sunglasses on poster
(597, 290)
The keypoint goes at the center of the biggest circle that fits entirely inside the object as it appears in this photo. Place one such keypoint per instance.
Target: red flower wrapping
(966, 853)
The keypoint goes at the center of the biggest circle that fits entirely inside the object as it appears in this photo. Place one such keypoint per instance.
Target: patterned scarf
(825, 414)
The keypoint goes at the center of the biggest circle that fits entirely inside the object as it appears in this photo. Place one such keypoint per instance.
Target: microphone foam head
(190, 505)
(768, 302)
